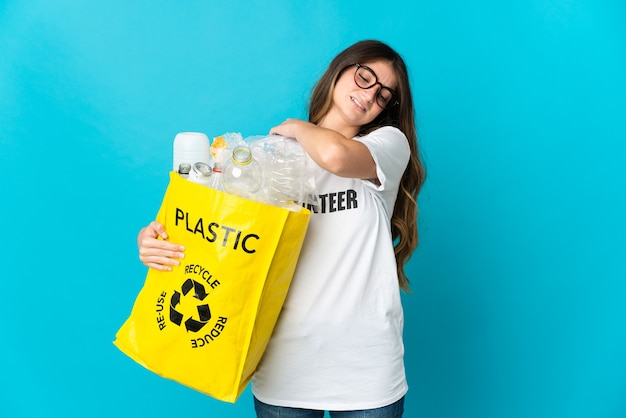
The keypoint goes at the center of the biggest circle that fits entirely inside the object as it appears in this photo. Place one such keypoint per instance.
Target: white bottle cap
(191, 147)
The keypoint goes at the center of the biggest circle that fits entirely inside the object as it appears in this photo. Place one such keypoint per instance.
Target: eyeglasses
(365, 78)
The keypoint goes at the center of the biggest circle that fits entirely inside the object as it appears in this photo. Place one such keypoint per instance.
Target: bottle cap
(201, 169)
(184, 168)
(242, 155)
(218, 167)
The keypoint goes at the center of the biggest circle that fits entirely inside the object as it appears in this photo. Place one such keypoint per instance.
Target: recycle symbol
(204, 313)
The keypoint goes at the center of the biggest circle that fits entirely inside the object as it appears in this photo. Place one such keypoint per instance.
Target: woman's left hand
(330, 149)
(290, 128)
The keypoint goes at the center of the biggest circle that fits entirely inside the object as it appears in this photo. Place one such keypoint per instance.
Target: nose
(372, 92)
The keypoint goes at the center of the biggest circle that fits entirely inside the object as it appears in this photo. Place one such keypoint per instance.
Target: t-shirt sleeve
(390, 149)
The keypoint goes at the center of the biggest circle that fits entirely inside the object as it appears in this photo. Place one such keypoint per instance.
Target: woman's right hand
(154, 249)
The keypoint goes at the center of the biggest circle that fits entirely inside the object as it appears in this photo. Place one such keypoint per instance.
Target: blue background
(519, 295)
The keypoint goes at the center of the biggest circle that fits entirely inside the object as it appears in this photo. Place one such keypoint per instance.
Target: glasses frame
(392, 102)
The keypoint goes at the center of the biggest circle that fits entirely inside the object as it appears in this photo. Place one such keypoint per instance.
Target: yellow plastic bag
(206, 323)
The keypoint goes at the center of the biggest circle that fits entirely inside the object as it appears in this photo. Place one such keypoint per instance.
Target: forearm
(325, 146)
(330, 149)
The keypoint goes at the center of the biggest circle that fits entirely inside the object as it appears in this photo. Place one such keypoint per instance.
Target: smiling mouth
(356, 102)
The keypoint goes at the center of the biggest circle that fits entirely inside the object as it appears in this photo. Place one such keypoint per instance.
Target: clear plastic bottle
(285, 170)
(242, 174)
(216, 177)
(201, 173)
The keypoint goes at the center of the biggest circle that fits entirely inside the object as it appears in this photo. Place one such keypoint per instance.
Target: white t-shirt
(338, 341)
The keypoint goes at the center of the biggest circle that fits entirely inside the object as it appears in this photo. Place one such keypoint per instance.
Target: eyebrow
(376, 75)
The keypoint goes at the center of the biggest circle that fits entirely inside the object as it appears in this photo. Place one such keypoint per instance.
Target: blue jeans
(264, 410)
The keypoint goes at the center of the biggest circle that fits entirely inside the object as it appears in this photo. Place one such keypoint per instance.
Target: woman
(338, 345)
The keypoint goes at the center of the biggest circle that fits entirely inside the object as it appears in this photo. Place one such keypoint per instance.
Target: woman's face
(358, 106)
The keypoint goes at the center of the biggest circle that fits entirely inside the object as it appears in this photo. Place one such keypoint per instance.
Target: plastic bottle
(191, 147)
(286, 172)
(216, 177)
(184, 169)
(242, 174)
(201, 173)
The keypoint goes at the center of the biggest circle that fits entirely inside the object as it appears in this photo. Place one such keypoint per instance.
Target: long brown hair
(402, 116)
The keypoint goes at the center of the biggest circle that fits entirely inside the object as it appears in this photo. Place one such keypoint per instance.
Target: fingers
(147, 241)
(155, 229)
(155, 251)
(156, 256)
(156, 248)
(159, 263)
(284, 128)
(274, 130)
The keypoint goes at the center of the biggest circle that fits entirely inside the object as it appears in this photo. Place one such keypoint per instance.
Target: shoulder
(387, 136)
(391, 152)
(387, 130)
